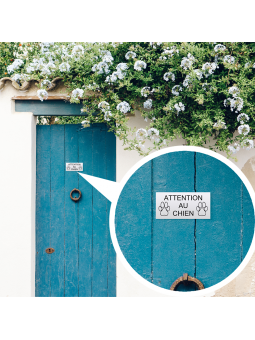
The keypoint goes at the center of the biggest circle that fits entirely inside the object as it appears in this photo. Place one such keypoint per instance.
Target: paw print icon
(164, 209)
(202, 209)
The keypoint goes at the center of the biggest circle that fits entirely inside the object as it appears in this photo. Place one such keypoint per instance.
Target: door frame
(34, 107)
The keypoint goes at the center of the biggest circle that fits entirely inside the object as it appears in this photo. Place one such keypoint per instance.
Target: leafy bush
(190, 90)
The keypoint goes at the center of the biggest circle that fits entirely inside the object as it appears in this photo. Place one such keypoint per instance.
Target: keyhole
(49, 250)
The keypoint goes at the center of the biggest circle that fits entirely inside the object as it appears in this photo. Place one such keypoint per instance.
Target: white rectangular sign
(74, 166)
(183, 205)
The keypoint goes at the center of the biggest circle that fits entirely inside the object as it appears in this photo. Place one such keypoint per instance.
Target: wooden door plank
(173, 240)
(85, 214)
(133, 221)
(248, 221)
(100, 221)
(57, 209)
(218, 240)
(110, 142)
(43, 211)
(71, 214)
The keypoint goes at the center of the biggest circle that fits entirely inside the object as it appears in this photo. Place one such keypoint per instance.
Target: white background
(125, 318)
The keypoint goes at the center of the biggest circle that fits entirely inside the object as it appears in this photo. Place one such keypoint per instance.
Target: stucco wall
(17, 202)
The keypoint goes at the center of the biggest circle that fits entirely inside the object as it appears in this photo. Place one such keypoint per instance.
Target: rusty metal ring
(75, 199)
(186, 278)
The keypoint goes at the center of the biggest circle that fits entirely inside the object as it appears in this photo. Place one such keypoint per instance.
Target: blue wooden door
(84, 262)
(161, 251)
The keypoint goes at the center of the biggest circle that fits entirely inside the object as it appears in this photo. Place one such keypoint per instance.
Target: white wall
(17, 199)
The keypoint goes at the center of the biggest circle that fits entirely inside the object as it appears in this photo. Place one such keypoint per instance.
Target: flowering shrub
(190, 90)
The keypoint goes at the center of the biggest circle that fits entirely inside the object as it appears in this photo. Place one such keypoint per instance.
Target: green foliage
(200, 112)
(6, 56)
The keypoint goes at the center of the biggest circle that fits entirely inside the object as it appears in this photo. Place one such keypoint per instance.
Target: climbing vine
(203, 92)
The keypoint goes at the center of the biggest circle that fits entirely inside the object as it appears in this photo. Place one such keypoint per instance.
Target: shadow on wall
(249, 171)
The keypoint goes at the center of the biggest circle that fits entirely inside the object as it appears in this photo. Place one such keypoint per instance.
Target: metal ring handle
(75, 199)
(186, 278)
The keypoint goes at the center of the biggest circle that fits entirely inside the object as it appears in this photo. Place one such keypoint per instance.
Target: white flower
(247, 144)
(130, 54)
(235, 103)
(45, 71)
(219, 47)
(147, 104)
(77, 93)
(179, 107)
(42, 94)
(44, 121)
(139, 64)
(219, 125)
(152, 132)
(94, 68)
(15, 65)
(248, 64)
(85, 123)
(234, 91)
(187, 81)
(122, 67)
(168, 53)
(253, 65)
(243, 118)
(145, 91)
(169, 75)
(104, 106)
(141, 145)
(243, 129)
(16, 77)
(64, 67)
(209, 68)
(141, 133)
(107, 57)
(229, 59)
(112, 78)
(187, 61)
(155, 44)
(93, 86)
(235, 148)
(199, 73)
(107, 115)
(101, 67)
(46, 83)
(30, 69)
(176, 89)
(51, 65)
(78, 50)
(45, 46)
(123, 107)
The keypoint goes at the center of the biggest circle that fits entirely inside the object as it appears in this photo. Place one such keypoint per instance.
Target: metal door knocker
(186, 278)
(75, 199)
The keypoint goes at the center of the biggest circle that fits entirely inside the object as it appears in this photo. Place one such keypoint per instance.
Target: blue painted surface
(163, 250)
(84, 261)
(173, 240)
(57, 196)
(134, 222)
(218, 240)
(43, 208)
(49, 108)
